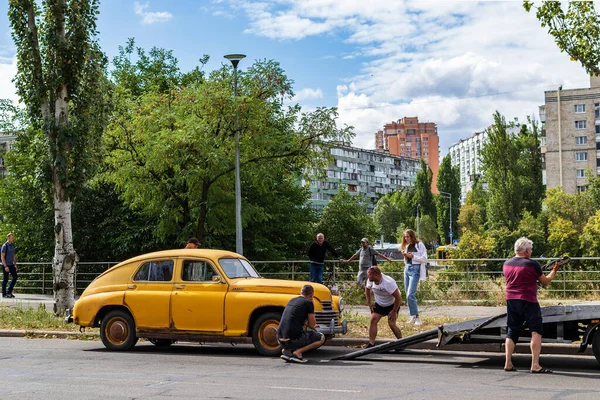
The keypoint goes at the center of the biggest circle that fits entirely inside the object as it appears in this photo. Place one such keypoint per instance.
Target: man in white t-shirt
(387, 302)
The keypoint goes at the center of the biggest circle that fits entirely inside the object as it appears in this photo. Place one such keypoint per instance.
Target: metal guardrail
(450, 276)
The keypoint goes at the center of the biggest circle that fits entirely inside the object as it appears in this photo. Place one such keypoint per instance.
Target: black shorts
(521, 314)
(383, 310)
(305, 339)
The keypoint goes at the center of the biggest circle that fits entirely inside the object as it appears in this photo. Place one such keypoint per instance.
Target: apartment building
(571, 136)
(6, 143)
(369, 172)
(465, 155)
(410, 138)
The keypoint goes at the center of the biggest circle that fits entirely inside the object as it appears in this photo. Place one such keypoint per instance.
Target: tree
(590, 239)
(60, 75)
(387, 216)
(563, 238)
(576, 31)
(345, 221)
(422, 195)
(171, 146)
(470, 217)
(530, 163)
(427, 230)
(499, 158)
(448, 182)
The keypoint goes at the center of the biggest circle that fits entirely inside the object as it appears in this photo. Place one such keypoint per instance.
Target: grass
(358, 325)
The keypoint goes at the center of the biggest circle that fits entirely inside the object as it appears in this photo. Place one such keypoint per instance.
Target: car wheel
(161, 342)
(596, 344)
(264, 334)
(117, 331)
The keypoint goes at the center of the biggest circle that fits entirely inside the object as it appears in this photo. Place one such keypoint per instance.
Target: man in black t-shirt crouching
(291, 334)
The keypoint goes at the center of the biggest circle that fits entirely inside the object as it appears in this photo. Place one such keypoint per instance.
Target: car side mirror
(216, 278)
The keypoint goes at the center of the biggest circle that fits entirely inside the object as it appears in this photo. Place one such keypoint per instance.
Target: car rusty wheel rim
(267, 334)
(117, 331)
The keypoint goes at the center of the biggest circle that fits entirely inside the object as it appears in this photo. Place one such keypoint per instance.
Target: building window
(580, 125)
(581, 156)
(580, 140)
(597, 113)
(579, 108)
(581, 188)
(597, 128)
(581, 173)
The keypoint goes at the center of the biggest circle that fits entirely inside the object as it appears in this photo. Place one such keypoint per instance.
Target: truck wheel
(117, 331)
(264, 334)
(596, 344)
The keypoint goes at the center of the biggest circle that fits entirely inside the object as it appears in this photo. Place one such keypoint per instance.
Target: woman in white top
(415, 258)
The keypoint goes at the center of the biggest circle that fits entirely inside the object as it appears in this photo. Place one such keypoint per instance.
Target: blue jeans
(316, 273)
(412, 273)
(13, 272)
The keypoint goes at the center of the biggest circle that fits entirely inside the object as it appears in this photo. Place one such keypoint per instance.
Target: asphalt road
(74, 369)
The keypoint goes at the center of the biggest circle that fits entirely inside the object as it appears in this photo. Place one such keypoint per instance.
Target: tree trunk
(65, 257)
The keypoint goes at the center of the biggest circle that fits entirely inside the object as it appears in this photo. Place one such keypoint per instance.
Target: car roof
(208, 253)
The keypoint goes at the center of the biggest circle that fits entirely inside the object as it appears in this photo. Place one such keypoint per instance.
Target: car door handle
(131, 286)
(179, 286)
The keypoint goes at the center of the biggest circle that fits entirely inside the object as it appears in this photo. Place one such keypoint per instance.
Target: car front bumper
(332, 328)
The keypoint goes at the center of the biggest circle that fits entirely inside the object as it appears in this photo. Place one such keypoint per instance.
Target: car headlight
(341, 304)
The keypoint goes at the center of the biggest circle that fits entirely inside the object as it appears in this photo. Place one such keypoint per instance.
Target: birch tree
(60, 71)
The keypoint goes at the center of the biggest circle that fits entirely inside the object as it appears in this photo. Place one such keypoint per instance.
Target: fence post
(43, 279)
(467, 278)
(334, 282)
(564, 273)
(293, 271)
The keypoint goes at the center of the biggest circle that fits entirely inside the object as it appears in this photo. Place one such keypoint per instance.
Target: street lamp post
(450, 233)
(239, 248)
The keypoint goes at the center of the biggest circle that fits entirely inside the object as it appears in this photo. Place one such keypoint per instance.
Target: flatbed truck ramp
(578, 323)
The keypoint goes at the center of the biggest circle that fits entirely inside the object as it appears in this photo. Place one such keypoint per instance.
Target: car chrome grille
(324, 317)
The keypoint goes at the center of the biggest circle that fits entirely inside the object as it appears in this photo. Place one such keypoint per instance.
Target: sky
(450, 62)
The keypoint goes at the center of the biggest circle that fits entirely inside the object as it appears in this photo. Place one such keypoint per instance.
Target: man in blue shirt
(9, 266)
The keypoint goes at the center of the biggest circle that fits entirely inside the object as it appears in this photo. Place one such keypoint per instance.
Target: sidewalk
(460, 311)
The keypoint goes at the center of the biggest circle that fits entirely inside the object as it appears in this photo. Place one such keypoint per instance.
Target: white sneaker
(411, 320)
(418, 321)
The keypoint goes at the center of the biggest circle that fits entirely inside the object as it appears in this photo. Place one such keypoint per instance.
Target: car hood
(322, 292)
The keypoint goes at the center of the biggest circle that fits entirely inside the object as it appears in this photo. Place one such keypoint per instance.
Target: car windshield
(237, 268)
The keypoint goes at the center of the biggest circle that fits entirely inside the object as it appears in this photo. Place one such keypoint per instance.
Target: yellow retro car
(195, 295)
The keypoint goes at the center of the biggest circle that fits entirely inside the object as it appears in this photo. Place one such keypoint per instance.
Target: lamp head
(235, 58)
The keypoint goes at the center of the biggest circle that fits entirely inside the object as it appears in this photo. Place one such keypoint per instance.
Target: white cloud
(308, 94)
(8, 70)
(150, 17)
(450, 62)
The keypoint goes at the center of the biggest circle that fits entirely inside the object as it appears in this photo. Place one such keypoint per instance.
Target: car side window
(155, 271)
(197, 271)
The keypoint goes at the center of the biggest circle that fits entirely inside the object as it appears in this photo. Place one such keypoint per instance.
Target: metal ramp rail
(444, 333)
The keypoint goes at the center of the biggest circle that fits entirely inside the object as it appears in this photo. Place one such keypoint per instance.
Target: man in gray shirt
(365, 254)
(9, 266)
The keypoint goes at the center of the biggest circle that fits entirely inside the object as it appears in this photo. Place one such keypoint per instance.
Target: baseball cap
(364, 240)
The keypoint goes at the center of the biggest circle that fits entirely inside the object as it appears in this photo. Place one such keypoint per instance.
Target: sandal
(542, 371)
(298, 360)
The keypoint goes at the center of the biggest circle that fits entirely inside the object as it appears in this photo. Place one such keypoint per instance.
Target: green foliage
(172, 145)
(499, 158)
(590, 239)
(530, 163)
(577, 208)
(534, 229)
(345, 221)
(422, 191)
(576, 30)
(471, 217)
(563, 238)
(473, 245)
(448, 181)
(387, 217)
(427, 230)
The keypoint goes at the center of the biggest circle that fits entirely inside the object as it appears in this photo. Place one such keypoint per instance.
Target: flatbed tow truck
(567, 324)
(577, 323)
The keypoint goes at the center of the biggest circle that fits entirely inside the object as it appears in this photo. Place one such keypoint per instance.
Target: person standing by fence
(9, 264)
(316, 255)
(415, 259)
(365, 254)
(522, 308)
